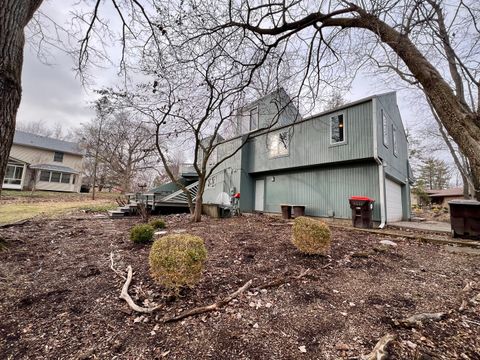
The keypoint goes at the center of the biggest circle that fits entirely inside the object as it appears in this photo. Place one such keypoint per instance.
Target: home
(319, 162)
(42, 163)
(442, 197)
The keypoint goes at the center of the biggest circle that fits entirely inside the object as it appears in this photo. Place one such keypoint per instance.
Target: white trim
(381, 175)
(344, 141)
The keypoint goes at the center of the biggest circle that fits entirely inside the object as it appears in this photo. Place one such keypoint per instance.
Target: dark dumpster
(362, 210)
(465, 218)
(286, 211)
(298, 210)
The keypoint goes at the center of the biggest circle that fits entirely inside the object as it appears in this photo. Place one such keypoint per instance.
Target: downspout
(381, 174)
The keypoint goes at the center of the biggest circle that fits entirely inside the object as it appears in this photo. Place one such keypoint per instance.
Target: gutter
(381, 173)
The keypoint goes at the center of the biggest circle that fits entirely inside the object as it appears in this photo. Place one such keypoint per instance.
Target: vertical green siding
(310, 142)
(322, 190)
(395, 166)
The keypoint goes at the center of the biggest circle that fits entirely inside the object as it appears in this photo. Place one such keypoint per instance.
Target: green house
(319, 162)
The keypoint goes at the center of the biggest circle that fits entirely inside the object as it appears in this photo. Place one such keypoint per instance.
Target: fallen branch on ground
(281, 281)
(212, 307)
(379, 352)
(416, 319)
(125, 296)
(118, 272)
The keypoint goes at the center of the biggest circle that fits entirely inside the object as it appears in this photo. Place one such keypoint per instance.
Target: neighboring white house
(42, 163)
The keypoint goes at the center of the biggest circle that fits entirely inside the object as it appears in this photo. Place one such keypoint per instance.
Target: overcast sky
(53, 94)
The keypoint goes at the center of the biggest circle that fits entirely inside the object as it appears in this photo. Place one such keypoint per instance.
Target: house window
(278, 143)
(13, 175)
(65, 178)
(337, 129)
(55, 177)
(254, 119)
(58, 156)
(73, 179)
(385, 128)
(395, 141)
(44, 175)
(211, 181)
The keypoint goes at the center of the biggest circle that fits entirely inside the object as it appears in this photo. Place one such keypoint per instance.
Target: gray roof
(43, 142)
(59, 168)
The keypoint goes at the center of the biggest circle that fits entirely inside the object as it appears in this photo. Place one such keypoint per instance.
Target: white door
(394, 201)
(259, 194)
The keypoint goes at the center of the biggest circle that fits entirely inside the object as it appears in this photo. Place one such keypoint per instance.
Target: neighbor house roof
(43, 142)
(59, 168)
(447, 192)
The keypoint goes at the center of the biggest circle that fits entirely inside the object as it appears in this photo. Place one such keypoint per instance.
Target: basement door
(394, 201)
(259, 194)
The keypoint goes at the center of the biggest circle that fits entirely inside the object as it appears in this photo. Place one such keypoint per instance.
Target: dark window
(44, 175)
(66, 178)
(337, 129)
(58, 156)
(55, 177)
(73, 179)
(254, 119)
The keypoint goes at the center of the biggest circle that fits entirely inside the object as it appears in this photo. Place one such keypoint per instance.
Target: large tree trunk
(197, 212)
(14, 16)
(462, 124)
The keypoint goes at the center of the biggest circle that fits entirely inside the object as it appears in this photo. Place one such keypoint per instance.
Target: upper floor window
(58, 156)
(385, 128)
(337, 129)
(395, 141)
(278, 143)
(254, 119)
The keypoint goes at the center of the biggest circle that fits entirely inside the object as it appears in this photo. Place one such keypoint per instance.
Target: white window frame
(385, 128)
(395, 140)
(344, 141)
(15, 166)
(50, 177)
(275, 146)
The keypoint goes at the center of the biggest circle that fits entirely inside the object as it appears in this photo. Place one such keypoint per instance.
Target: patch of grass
(53, 195)
(20, 211)
(98, 207)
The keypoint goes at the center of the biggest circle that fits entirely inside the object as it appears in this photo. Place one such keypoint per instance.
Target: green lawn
(47, 195)
(12, 212)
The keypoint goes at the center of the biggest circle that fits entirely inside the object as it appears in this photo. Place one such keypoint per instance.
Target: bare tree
(401, 36)
(39, 127)
(121, 145)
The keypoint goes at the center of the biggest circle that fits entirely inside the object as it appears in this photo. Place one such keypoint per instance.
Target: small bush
(157, 223)
(142, 233)
(311, 236)
(177, 260)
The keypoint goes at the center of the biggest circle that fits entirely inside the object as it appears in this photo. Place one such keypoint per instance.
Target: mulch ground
(59, 297)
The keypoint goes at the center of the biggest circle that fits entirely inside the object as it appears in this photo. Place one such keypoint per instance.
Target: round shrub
(311, 236)
(177, 260)
(157, 224)
(142, 233)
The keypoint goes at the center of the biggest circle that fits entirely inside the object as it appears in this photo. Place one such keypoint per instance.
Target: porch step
(115, 214)
(125, 209)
